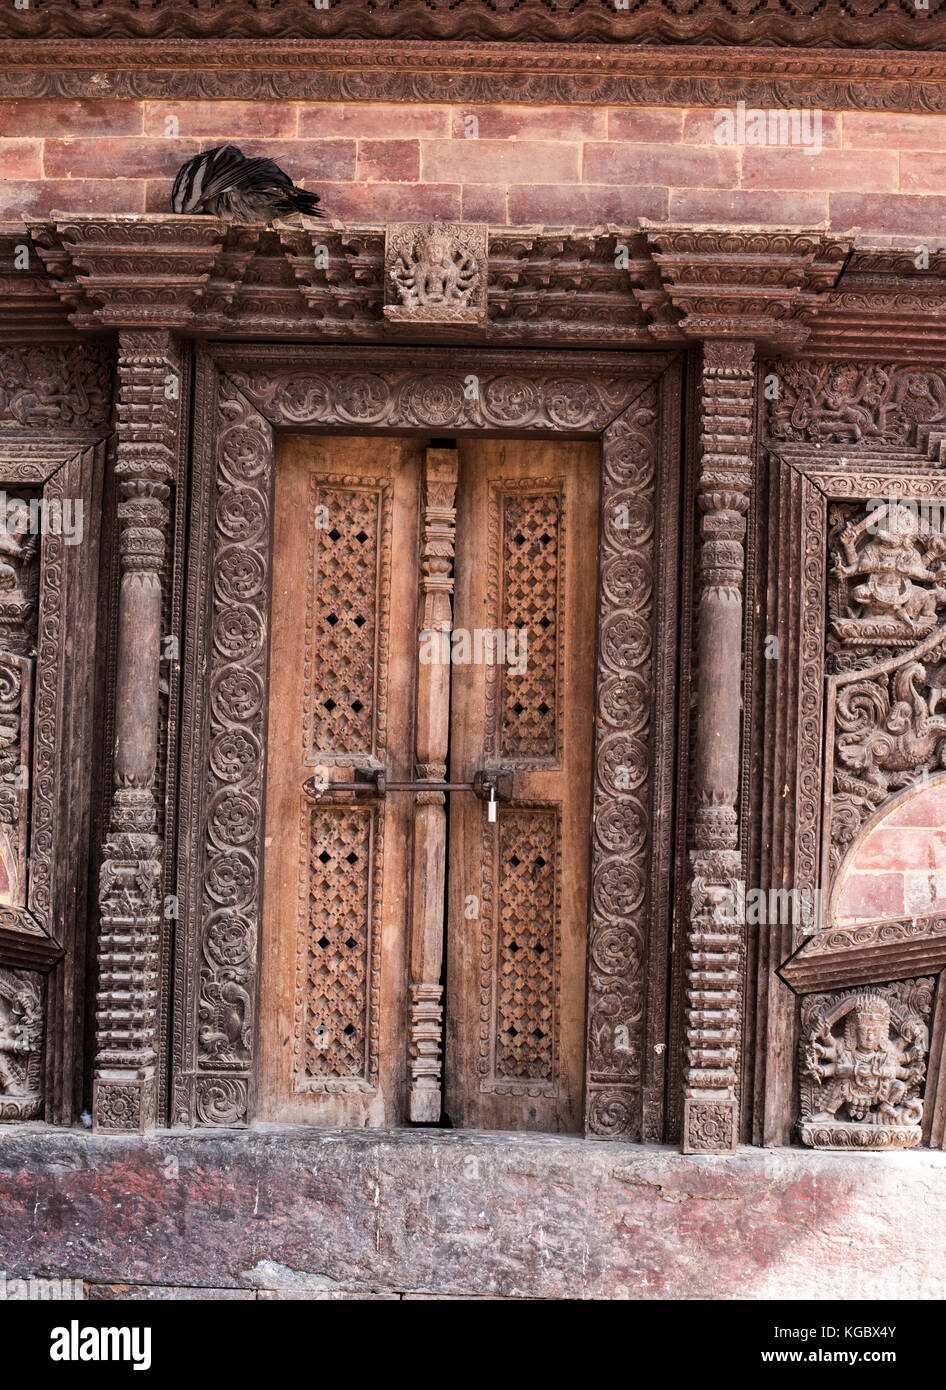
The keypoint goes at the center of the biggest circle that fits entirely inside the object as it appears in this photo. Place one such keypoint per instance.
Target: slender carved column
(715, 946)
(130, 893)
(430, 821)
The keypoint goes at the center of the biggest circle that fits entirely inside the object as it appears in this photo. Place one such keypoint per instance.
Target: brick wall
(582, 165)
(899, 868)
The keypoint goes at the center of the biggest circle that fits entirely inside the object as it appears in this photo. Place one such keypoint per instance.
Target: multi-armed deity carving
(863, 1065)
(889, 579)
(435, 271)
(21, 1039)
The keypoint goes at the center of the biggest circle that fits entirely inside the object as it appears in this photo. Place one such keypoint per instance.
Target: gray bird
(224, 183)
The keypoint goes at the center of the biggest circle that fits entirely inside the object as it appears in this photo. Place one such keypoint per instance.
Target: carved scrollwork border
(244, 393)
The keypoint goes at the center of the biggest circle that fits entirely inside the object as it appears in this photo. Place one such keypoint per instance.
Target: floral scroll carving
(622, 786)
(863, 1064)
(233, 822)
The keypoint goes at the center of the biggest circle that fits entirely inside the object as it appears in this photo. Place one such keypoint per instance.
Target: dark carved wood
(882, 25)
(715, 944)
(633, 758)
(130, 888)
(55, 403)
(242, 393)
(841, 433)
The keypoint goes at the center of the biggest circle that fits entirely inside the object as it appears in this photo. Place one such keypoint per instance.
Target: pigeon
(224, 183)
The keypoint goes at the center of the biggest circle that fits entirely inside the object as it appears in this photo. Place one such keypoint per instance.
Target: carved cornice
(867, 953)
(635, 286)
(410, 69)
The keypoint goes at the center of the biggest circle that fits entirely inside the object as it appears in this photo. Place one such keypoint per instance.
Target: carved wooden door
(527, 550)
(382, 879)
(336, 893)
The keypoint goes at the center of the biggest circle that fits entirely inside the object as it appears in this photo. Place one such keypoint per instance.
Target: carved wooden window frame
(48, 935)
(243, 394)
(788, 709)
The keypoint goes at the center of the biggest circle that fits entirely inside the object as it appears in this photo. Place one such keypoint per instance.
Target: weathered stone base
(315, 1213)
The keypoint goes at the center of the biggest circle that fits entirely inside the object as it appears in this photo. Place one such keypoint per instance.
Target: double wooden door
(429, 783)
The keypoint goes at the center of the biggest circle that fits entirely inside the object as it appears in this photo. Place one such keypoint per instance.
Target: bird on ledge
(224, 183)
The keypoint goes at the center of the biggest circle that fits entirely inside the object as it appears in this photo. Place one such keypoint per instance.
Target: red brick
(745, 205)
(889, 213)
(484, 202)
(926, 808)
(926, 892)
(871, 895)
(396, 202)
(645, 125)
(492, 161)
(676, 165)
(893, 130)
(892, 848)
(308, 160)
(42, 196)
(231, 120)
(585, 205)
(922, 173)
(699, 127)
(373, 119)
(532, 122)
(21, 159)
(38, 118)
(831, 169)
(121, 157)
(388, 161)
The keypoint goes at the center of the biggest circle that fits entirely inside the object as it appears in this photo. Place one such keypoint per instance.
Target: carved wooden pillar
(430, 820)
(130, 890)
(715, 945)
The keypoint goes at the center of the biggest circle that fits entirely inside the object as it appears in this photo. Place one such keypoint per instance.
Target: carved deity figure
(863, 1068)
(893, 573)
(21, 1026)
(437, 271)
(440, 272)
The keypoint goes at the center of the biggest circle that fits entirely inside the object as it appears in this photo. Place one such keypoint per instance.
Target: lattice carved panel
(525, 707)
(335, 1014)
(347, 614)
(520, 952)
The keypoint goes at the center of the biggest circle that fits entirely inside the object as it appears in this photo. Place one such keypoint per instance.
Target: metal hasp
(487, 786)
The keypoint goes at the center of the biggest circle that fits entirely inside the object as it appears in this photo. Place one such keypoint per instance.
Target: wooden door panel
(336, 899)
(518, 902)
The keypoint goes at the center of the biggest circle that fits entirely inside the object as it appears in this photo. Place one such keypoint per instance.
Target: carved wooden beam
(130, 887)
(715, 947)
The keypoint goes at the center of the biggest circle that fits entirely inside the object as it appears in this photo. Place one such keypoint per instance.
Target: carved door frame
(243, 394)
(47, 933)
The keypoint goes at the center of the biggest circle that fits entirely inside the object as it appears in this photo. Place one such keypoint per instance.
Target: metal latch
(490, 787)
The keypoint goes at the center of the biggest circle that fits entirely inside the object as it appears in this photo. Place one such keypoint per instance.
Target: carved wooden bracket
(743, 282)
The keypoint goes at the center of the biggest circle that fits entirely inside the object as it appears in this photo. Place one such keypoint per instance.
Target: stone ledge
(315, 1213)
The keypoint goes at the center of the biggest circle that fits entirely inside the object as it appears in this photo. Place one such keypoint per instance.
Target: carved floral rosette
(21, 1044)
(862, 1065)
